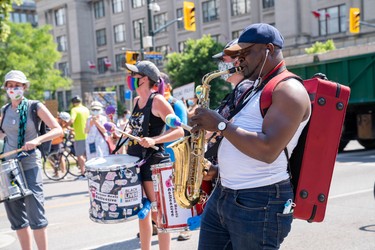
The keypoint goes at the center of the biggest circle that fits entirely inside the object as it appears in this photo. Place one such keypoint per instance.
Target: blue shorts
(246, 219)
(29, 210)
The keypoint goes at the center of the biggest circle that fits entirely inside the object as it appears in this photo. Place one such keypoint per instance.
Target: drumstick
(10, 153)
(110, 126)
(174, 121)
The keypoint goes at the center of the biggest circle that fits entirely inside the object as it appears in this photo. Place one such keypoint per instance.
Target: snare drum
(171, 217)
(114, 187)
(12, 181)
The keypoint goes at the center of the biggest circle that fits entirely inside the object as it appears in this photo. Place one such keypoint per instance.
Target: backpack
(311, 163)
(40, 126)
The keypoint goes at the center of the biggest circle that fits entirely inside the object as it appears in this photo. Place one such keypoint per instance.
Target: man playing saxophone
(246, 208)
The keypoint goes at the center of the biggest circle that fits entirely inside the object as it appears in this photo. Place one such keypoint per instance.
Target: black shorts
(157, 158)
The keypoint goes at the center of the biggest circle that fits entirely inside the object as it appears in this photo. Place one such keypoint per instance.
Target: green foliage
(120, 108)
(5, 8)
(33, 51)
(320, 47)
(193, 63)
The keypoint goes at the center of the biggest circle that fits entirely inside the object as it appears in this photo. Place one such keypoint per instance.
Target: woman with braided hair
(27, 213)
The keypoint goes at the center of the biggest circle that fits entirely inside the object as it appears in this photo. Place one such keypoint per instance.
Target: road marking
(351, 193)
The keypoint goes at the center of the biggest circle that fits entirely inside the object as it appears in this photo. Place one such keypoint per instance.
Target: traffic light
(354, 20)
(131, 57)
(189, 16)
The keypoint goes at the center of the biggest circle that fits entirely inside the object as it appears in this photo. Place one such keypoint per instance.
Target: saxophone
(190, 164)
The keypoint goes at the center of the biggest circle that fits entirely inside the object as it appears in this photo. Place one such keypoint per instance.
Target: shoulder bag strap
(2, 118)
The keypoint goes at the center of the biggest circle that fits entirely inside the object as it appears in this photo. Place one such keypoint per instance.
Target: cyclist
(63, 119)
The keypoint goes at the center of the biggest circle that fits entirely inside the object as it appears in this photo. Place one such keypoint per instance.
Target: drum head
(111, 162)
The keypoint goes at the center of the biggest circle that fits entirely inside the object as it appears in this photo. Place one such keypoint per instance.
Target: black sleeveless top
(156, 127)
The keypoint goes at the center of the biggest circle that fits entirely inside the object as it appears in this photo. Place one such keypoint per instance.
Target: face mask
(225, 66)
(15, 93)
(95, 112)
(190, 103)
(127, 116)
(133, 83)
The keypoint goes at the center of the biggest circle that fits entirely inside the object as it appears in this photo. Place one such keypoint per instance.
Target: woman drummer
(143, 76)
(27, 213)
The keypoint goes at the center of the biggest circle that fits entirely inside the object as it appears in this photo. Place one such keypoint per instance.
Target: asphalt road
(349, 222)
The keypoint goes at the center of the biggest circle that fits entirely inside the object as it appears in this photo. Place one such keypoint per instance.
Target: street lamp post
(149, 17)
(141, 41)
(162, 28)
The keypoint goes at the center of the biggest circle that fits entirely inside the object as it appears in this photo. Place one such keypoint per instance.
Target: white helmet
(64, 116)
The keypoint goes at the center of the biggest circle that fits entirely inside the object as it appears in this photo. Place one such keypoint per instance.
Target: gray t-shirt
(10, 126)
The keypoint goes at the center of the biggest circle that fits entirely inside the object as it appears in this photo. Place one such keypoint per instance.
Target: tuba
(190, 164)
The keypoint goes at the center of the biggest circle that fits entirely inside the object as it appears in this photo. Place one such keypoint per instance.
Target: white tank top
(239, 171)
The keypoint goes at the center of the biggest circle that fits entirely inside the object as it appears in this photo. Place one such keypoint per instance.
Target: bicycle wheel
(55, 166)
(73, 165)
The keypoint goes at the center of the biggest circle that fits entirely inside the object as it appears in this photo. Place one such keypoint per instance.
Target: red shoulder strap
(266, 95)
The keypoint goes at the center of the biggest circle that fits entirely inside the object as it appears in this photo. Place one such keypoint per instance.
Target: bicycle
(64, 159)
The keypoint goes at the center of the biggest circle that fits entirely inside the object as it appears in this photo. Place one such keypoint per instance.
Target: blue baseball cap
(257, 33)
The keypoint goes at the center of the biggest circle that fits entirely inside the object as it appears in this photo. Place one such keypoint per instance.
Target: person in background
(79, 115)
(228, 105)
(96, 145)
(122, 123)
(245, 210)
(63, 119)
(27, 214)
(178, 107)
(192, 105)
(143, 76)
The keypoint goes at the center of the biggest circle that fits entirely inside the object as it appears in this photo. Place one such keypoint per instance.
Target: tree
(5, 8)
(320, 47)
(193, 63)
(33, 51)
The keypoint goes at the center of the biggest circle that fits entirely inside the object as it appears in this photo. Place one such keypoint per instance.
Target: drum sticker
(107, 186)
(104, 197)
(94, 185)
(129, 196)
(113, 215)
(111, 176)
(100, 215)
(134, 179)
(105, 206)
(92, 193)
(155, 181)
(129, 211)
(88, 175)
(121, 182)
(128, 173)
(113, 208)
(176, 215)
(94, 213)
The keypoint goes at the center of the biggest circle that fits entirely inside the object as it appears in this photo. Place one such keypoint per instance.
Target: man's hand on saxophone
(207, 119)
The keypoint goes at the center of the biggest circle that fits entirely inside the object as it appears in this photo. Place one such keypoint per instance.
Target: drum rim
(114, 166)
(162, 165)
